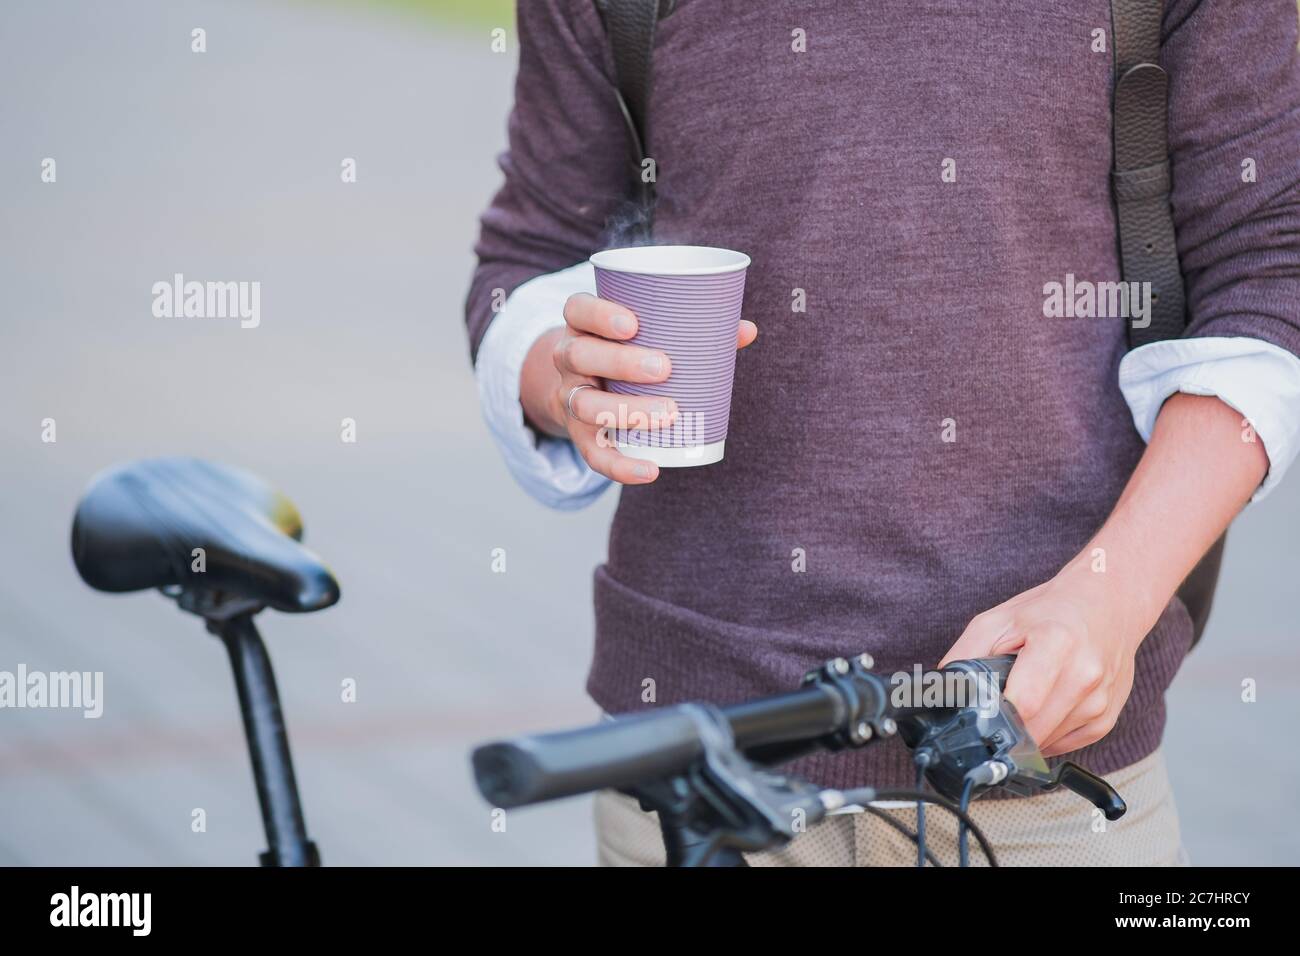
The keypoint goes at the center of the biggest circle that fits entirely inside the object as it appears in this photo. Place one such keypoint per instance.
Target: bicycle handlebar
(613, 754)
(696, 762)
(621, 752)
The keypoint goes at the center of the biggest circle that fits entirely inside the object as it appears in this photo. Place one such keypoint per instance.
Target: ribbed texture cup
(694, 318)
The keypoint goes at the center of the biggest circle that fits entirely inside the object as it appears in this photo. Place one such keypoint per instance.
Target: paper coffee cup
(687, 301)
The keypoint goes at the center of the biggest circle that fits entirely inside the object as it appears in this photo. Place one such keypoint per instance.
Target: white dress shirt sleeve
(1258, 379)
(549, 469)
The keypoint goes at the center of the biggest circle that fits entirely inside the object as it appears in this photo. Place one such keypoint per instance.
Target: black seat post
(268, 744)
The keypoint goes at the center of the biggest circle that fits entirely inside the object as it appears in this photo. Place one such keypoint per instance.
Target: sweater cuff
(1258, 379)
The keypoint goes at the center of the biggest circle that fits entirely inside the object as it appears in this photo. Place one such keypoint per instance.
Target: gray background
(225, 165)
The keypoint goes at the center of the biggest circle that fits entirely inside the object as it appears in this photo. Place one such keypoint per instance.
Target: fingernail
(641, 471)
(652, 364)
(659, 409)
(623, 324)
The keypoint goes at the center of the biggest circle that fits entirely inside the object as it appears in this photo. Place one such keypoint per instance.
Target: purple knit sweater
(924, 305)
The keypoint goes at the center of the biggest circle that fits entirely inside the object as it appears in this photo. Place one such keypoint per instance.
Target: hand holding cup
(563, 385)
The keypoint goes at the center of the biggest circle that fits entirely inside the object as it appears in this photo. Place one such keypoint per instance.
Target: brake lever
(990, 746)
(1089, 786)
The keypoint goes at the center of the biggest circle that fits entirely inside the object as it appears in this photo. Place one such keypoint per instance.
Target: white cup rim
(671, 260)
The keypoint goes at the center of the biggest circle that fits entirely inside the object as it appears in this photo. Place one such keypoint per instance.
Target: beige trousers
(1051, 829)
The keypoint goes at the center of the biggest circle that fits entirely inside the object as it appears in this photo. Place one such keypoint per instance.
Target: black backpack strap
(630, 26)
(1141, 175)
(1141, 182)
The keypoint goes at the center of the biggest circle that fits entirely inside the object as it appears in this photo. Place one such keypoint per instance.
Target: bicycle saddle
(138, 526)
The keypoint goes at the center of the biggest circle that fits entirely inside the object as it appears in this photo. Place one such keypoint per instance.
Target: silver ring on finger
(568, 402)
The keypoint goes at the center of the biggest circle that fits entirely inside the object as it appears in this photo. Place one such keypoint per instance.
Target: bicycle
(708, 771)
(224, 546)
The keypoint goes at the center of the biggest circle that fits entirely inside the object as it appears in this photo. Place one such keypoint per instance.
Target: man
(921, 463)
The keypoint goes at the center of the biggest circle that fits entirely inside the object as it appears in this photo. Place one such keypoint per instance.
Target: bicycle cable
(920, 811)
(867, 795)
(963, 848)
(901, 827)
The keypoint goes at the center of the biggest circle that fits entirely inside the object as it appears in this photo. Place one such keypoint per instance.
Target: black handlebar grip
(999, 666)
(614, 754)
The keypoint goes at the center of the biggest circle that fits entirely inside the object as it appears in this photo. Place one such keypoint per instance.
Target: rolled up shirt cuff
(549, 469)
(1258, 379)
